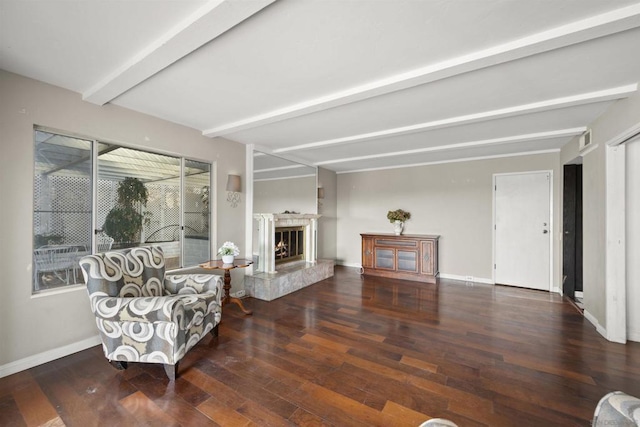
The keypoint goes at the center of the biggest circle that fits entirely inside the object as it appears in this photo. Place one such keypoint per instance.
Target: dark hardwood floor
(350, 351)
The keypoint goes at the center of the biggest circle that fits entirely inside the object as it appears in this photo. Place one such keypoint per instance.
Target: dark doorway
(572, 227)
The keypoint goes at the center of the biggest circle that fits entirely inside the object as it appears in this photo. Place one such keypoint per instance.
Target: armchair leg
(214, 331)
(172, 371)
(120, 365)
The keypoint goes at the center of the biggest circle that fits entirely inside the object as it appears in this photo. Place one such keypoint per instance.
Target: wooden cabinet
(408, 256)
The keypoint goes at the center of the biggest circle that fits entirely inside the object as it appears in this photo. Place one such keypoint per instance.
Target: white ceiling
(346, 85)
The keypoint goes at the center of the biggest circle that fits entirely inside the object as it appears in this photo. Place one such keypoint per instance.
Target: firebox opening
(289, 244)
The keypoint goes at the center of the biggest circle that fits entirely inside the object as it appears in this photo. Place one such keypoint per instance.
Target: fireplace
(263, 281)
(297, 239)
(289, 244)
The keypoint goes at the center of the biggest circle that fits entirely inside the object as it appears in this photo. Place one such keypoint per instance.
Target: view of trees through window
(138, 201)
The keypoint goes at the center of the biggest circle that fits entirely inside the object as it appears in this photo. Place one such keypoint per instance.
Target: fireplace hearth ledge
(290, 277)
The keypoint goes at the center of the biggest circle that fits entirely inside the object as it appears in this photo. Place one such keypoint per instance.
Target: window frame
(93, 176)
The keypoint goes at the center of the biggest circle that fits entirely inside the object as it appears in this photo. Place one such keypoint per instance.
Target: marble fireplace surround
(268, 222)
(265, 282)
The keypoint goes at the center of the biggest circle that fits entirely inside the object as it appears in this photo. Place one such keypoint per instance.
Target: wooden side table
(219, 265)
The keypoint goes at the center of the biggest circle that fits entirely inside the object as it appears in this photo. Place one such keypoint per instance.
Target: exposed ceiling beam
(535, 107)
(260, 150)
(457, 160)
(280, 168)
(486, 142)
(205, 24)
(566, 35)
(258, 179)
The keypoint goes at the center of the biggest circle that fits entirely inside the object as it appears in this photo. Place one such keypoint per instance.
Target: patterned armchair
(144, 315)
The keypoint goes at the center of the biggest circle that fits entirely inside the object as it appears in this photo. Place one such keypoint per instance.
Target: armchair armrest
(140, 309)
(193, 284)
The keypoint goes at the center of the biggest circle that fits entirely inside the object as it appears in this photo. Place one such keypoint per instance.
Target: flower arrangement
(229, 248)
(398, 215)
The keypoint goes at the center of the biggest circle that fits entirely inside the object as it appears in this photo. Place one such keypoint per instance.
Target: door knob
(545, 231)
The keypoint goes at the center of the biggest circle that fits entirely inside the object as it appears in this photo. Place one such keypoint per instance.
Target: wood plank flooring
(352, 351)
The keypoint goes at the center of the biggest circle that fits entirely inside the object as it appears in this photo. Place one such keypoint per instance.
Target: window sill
(57, 291)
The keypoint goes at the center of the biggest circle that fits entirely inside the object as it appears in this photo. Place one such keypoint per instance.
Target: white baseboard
(441, 275)
(239, 294)
(47, 356)
(633, 335)
(591, 318)
(349, 264)
(464, 278)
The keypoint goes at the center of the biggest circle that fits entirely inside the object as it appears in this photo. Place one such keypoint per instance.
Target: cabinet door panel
(385, 258)
(367, 252)
(407, 261)
(428, 259)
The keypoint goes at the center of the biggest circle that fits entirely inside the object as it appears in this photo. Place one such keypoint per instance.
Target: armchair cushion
(140, 309)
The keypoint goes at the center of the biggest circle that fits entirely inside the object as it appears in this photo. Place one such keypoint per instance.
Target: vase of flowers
(397, 218)
(228, 251)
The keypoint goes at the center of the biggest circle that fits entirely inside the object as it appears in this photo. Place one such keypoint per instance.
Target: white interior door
(523, 230)
(632, 238)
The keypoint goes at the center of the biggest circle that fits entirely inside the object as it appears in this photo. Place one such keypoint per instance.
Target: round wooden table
(216, 264)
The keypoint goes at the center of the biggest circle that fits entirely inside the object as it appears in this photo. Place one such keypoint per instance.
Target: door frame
(572, 239)
(615, 328)
(551, 223)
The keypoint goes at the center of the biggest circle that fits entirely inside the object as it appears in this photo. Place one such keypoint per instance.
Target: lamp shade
(233, 183)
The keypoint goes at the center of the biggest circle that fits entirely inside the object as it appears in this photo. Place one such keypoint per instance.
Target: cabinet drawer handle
(367, 252)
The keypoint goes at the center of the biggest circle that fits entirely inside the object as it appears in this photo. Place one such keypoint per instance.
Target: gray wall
(619, 118)
(454, 200)
(34, 329)
(288, 194)
(594, 233)
(328, 208)
(633, 240)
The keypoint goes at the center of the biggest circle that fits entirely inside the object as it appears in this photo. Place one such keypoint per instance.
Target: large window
(62, 208)
(139, 198)
(197, 213)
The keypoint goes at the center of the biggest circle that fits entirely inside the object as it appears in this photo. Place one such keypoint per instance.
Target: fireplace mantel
(267, 223)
